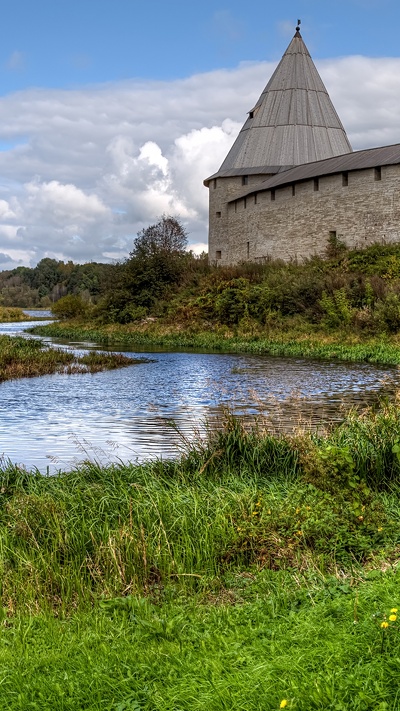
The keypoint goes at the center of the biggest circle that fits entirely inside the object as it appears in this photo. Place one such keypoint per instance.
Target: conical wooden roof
(293, 122)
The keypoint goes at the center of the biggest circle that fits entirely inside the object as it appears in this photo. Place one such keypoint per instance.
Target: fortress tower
(293, 123)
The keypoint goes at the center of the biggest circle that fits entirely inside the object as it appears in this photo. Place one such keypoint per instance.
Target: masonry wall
(221, 190)
(295, 221)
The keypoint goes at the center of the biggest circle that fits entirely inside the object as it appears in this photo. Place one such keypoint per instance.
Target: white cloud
(82, 171)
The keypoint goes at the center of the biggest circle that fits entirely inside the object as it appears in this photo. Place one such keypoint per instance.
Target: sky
(112, 112)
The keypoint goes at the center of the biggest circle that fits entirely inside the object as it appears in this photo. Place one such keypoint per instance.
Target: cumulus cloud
(83, 170)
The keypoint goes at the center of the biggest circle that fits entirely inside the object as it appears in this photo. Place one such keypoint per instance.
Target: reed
(284, 343)
(239, 499)
(11, 313)
(253, 571)
(27, 358)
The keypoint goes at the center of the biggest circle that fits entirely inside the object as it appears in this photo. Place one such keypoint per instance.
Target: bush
(337, 309)
(69, 307)
(387, 313)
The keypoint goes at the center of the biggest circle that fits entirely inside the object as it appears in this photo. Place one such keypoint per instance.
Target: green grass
(253, 569)
(11, 313)
(244, 500)
(320, 345)
(318, 647)
(23, 358)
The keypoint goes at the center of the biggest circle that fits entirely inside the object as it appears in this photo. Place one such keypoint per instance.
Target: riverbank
(295, 342)
(27, 358)
(9, 313)
(253, 570)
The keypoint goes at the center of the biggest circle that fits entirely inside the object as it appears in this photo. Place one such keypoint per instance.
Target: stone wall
(295, 221)
(221, 190)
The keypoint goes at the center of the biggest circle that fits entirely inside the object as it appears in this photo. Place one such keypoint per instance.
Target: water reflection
(56, 421)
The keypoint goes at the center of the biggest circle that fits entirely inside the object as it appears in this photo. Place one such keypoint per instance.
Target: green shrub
(337, 309)
(69, 307)
(387, 313)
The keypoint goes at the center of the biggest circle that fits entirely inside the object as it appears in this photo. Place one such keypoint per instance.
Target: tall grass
(236, 500)
(252, 572)
(284, 343)
(11, 313)
(23, 358)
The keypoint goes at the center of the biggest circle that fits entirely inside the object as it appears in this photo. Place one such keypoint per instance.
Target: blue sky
(113, 112)
(62, 43)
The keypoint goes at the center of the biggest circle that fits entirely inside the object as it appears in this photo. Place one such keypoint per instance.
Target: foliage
(353, 290)
(387, 313)
(335, 246)
(175, 578)
(40, 286)
(152, 272)
(69, 306)
(23, 358)
(345, 291)
(166, 237)
(336, 308)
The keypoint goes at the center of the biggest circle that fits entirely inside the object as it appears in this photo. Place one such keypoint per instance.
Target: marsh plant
(199, 583)
(27, 358)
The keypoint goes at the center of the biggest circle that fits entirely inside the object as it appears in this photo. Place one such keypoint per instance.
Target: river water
(56, 421)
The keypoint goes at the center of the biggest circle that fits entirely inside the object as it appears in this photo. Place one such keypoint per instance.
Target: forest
(49, 280)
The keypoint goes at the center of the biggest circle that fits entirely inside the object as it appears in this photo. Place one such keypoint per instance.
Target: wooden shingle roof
(293, 122)
(357, 160)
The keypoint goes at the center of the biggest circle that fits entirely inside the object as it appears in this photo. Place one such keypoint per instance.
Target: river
(56, 421)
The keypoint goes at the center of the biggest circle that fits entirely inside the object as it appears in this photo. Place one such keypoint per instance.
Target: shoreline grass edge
(335, 346)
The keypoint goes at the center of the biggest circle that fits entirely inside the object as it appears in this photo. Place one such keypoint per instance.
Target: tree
(153, 270)
(69, 306)
(167, 237)
(156, 263)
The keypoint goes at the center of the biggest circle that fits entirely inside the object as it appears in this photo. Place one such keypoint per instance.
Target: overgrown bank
(252, 571)
(23, 358)
(345, 306)
(241, 498)
(333, 345)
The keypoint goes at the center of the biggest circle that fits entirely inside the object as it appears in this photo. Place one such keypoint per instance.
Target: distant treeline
(50, 280)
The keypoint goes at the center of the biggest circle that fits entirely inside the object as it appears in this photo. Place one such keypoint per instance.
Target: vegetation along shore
(27, 358)
(253, 571)
(345, 306)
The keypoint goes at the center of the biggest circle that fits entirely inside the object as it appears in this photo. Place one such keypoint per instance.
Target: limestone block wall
(221, 190)
(293, 222)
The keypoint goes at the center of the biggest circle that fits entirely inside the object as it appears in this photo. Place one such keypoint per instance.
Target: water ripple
(56, 421)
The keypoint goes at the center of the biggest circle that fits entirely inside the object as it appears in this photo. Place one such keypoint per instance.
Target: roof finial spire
(298, 29)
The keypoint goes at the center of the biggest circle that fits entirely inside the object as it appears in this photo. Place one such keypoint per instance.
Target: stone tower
(292, 123)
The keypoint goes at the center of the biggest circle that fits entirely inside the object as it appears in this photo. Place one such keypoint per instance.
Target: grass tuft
(23, 358)
(253, 570)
